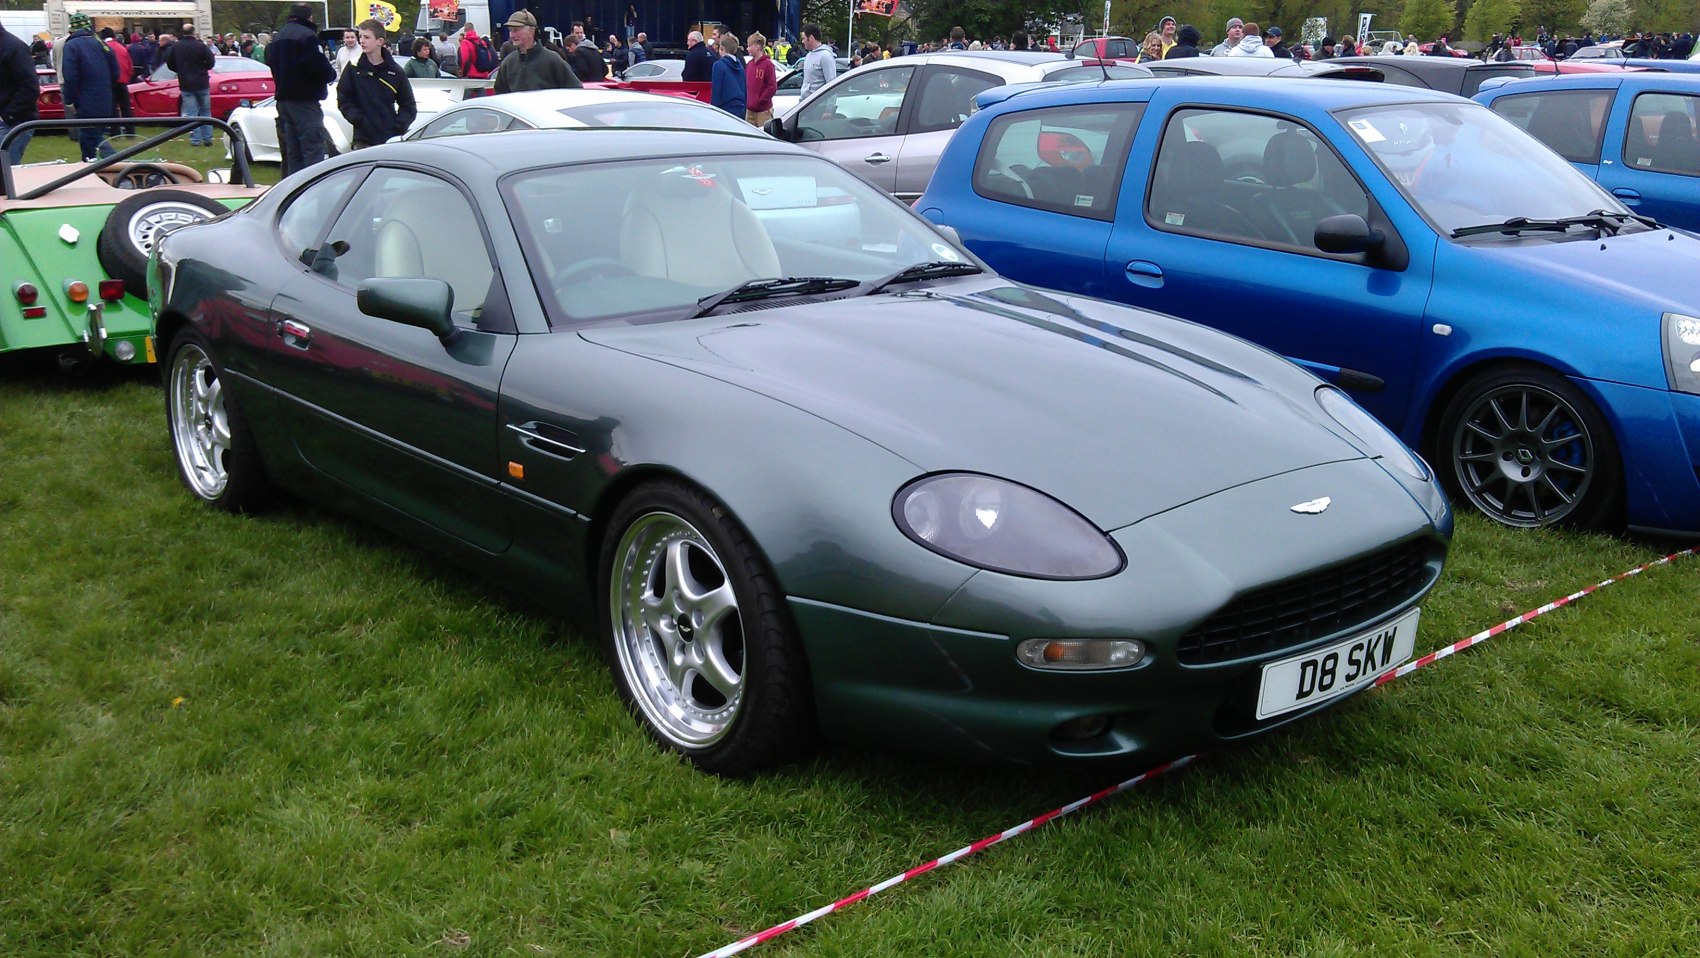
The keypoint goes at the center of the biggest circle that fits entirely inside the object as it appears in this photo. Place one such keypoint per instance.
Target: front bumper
(953, 686)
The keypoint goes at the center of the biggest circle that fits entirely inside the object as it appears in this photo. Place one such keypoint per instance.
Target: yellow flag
(385, 14)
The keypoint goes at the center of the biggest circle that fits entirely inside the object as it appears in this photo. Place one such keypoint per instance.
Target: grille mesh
(1322, 603)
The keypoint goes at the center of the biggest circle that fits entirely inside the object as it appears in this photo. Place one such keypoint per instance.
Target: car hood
(1655, 268)
(1119, 413)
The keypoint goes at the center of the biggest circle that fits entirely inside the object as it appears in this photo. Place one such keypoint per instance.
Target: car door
(385, 409)
(942, 100)
(1048, 179)
(1218, 227)
(1657, 170)
(855, 122)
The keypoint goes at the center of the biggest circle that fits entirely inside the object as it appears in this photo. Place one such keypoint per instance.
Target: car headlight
(1682, 352)
(1378, 440)
(1002, 526)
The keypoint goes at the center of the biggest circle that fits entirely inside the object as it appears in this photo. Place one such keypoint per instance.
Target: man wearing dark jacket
(18, 90)
(373, 93)
(1186, 43)
(699, 60)
(141, 57)
(531, 65)
(87, 75)
(192, 61)
(303, 74)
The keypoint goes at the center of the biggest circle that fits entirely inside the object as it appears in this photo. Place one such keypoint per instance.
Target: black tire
(136, 222)
(665, 640)
(1527, 449)
(215, 453)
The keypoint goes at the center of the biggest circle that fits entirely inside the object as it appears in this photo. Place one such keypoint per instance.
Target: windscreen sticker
(1175, 219)
(1083, 201)
(1366, 131)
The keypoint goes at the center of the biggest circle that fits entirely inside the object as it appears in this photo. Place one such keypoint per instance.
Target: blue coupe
(1633, 133)
(1500, 311)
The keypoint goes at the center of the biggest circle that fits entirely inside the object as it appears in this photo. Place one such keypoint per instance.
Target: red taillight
(26, 293)
(35, 312)
(111, 289)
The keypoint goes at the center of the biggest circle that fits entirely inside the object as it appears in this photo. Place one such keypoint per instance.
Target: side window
(393, 228)
(1248, 177)
(1121, 48)
(1063, 159)
(1571, 123)
(472, 120)
(308, 210)
(947, 98)
(1397, 77)
(1661, 134)
(865, 104)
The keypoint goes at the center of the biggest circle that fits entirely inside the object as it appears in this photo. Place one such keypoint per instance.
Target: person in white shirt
(819, 66)
(349, 51)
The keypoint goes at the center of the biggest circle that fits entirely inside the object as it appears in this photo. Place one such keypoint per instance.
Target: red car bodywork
(233, 80)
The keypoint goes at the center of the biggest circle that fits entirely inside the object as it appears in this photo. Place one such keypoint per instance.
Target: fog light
(1084, 727)
(111, 289)
(1075, 655)
(125, 351)
(77, 290)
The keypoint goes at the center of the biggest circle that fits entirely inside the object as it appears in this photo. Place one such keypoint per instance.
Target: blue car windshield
(1462, 165)
(691, 229)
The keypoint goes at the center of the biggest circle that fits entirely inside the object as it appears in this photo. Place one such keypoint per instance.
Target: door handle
(875, 159)
(1144, 273)
(295, 333)
(1628, 195)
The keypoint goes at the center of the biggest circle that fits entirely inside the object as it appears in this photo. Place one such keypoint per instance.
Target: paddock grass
(293, 735)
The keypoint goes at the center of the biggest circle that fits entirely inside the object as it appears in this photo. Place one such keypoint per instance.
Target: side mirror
(244, 102)
(1347, 233)
(426, 303)
(949, 233)
(775, 128)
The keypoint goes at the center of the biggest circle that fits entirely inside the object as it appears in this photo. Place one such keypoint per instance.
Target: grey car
(887, 122)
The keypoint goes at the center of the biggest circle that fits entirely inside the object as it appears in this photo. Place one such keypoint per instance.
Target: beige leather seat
(695, 233)
(423, 234)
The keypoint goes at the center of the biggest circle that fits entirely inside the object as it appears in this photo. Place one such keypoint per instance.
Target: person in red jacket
(126, 69)
(761, 79)
(474, 63)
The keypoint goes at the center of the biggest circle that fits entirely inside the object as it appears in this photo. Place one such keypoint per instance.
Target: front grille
(1317, 604)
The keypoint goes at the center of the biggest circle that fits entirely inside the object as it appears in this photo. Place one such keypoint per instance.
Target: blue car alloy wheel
(1529, 450)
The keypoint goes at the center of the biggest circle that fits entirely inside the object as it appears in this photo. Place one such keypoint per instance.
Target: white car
(258, 122)
(558, 109)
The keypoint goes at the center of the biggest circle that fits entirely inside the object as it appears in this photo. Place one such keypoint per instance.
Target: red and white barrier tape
(752, 940)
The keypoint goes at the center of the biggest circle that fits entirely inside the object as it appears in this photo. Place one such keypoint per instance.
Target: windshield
(661, 112)
(220, 65)
(689, 229)
(1462, 165)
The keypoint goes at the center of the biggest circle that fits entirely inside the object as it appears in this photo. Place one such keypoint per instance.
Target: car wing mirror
(245, 102)
(949, 233)
(776, 129)
(1347, 233)
(425, 303)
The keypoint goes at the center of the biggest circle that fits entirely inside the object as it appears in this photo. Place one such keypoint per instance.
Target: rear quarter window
(1570, 122)
(1067, 160)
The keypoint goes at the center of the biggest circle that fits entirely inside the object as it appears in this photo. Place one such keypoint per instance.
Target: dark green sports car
(812, 467)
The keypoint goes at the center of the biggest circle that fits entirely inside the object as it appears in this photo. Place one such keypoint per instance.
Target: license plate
(1344, 667)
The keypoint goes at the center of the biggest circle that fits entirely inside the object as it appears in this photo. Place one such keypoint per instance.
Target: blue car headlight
(1377, 439)
(1682, 352)
(1003, 526)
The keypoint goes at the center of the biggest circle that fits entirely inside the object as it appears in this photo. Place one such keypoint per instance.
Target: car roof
(1609, 79)
(1434, 64)
(1276, 92)
(544, 106)
(502, 152)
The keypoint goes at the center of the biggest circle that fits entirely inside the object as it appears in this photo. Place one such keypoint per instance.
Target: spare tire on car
(138, 221)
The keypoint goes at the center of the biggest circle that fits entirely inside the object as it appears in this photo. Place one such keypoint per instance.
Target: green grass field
(292, 735)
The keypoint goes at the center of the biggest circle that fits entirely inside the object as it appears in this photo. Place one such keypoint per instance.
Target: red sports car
(234, 79)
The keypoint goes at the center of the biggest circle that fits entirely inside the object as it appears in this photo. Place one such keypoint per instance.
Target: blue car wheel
(1527, 449)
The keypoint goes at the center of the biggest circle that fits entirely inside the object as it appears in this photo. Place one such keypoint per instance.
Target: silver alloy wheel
(678, 634)
(156, 219)
(1523, 455)
(200, 430)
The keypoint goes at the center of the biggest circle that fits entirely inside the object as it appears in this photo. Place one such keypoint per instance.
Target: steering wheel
(597, 267)
(141, 176)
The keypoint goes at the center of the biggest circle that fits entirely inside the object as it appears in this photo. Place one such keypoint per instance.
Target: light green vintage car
(75, 238)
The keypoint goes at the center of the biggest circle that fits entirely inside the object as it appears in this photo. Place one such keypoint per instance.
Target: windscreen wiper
(763, 288)
(1602, 221)
(920, 271)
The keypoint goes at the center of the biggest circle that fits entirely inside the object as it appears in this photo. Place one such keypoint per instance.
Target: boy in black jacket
(373, 93)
